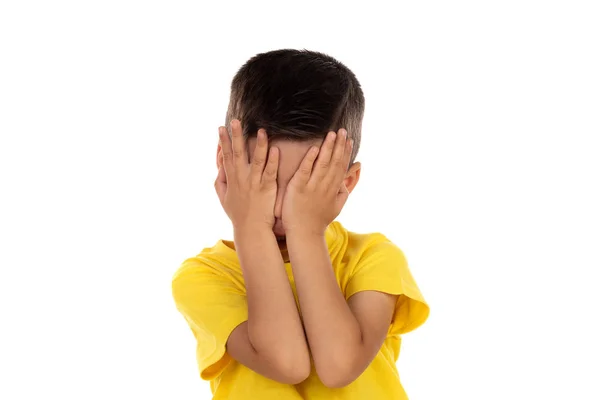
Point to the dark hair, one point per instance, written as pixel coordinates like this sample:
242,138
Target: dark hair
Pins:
296,95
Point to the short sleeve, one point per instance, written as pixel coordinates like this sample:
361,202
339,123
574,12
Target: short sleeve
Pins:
213,305
383,267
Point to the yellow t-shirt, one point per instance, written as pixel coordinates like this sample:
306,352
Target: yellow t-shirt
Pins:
209,291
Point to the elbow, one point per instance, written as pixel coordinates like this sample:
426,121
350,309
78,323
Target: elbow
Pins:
336,380
293,367
335,375
288,360
294,376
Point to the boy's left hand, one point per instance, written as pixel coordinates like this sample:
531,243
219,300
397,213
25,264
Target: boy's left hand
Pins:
315,196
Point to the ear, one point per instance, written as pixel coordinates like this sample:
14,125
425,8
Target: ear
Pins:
352,176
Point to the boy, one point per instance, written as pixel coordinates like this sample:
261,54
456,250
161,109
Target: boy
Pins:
296,307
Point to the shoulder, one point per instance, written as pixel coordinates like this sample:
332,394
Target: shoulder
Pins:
375,263
372,259
212,263
359,245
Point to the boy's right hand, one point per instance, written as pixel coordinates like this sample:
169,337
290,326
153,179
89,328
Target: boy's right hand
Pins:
247,191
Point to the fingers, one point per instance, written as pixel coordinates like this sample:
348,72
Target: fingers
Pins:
227,150
269,175
339,160
221,184
341,168
338,151
235,156
324,160
304,171
237,139
260,155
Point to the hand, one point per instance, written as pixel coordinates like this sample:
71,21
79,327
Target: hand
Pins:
315,196
247,191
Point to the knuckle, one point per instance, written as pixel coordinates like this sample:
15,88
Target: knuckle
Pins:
237,153
258,161
268,185
270,172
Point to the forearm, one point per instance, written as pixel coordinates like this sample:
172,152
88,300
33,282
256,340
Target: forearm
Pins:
274,326
333,332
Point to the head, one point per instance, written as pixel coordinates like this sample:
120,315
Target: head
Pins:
297,96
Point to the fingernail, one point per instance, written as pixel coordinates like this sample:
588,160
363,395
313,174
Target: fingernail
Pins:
332,135
344,133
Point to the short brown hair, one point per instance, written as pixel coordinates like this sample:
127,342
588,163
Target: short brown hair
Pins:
296,95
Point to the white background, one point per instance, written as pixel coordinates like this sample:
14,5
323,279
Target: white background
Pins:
480,160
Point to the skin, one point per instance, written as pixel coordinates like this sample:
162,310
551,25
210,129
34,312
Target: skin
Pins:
271,342
307,186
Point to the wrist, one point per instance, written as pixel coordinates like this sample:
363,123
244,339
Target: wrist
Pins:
252,230
252,225
305,233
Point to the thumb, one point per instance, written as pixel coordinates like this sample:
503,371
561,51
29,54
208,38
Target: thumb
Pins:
221,184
